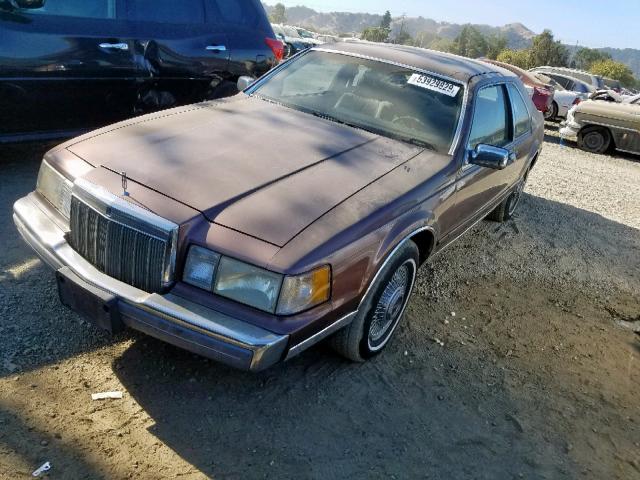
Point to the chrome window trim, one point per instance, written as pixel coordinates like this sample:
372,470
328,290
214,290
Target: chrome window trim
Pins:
114,208
464,86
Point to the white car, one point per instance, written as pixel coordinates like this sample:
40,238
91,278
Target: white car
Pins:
563,99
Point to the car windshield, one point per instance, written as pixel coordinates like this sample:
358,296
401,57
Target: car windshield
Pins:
389,100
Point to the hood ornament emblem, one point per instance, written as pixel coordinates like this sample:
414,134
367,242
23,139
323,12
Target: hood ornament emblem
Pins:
123,175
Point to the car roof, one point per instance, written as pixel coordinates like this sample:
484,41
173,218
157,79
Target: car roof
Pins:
447,64
527,77
565,70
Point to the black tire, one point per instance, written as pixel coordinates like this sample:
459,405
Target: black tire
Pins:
552,113
594,139
382,309
508,206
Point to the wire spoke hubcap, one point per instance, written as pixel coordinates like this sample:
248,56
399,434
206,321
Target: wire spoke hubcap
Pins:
390,305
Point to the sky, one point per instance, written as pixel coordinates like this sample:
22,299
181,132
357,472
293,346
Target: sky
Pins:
589,23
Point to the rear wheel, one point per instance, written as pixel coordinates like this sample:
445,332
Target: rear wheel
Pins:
507,208
382,309
594,139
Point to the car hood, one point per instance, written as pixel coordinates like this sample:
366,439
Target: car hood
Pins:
620,112
258,168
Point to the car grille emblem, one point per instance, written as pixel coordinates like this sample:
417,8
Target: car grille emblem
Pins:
124,184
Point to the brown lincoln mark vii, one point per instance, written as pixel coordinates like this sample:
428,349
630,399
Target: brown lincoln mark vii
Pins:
250,228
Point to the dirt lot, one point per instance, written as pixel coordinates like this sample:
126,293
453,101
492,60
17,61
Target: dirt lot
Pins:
537,375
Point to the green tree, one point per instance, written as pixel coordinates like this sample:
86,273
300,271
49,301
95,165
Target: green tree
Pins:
585,57
470,43
386,20
616,70
404,38
495,45
375,34
547,51
441,45
519,58
279,14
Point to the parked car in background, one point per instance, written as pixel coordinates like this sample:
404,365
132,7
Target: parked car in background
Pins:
612,84
69,66
294,42
563,99
569,83
596,81
328,38
306,34
605,122
248,252
540,92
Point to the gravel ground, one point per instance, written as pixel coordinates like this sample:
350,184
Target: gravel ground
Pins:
535,376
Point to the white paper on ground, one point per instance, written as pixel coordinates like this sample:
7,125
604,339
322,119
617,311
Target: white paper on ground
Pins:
105,395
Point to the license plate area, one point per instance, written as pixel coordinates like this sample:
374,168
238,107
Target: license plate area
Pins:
95,305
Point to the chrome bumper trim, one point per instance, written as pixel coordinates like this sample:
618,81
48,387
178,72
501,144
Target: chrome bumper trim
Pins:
321,335
37,228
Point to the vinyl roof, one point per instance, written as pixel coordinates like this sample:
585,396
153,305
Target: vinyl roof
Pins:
454,66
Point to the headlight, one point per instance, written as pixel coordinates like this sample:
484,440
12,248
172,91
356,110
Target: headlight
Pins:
201,267
247,284
254,286
53,186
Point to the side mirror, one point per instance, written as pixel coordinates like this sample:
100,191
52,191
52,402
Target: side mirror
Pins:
245,82
490,157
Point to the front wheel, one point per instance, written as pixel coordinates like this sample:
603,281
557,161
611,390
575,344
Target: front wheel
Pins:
382,309
594,139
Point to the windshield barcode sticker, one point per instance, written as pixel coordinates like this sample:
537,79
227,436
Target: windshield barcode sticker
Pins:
431,83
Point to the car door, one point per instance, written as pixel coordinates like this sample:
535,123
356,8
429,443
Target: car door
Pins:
182,47
64,67
478,186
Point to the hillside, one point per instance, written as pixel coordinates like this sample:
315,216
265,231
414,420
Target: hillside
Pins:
518,36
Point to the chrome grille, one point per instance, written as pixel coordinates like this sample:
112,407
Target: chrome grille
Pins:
106,231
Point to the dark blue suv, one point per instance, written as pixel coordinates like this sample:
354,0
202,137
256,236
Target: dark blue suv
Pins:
73,65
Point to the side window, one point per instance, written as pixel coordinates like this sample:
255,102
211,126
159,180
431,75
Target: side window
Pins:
77,8
166,11
238,12
521,117
490,123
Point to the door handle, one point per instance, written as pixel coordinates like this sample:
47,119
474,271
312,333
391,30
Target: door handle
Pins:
115,46
217,48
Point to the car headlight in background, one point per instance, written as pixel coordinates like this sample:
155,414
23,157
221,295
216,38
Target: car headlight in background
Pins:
55,187
255,286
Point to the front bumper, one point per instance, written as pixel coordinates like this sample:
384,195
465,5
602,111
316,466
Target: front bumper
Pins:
569,131
168,317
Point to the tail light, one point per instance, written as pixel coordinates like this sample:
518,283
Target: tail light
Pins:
276,46
542,91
